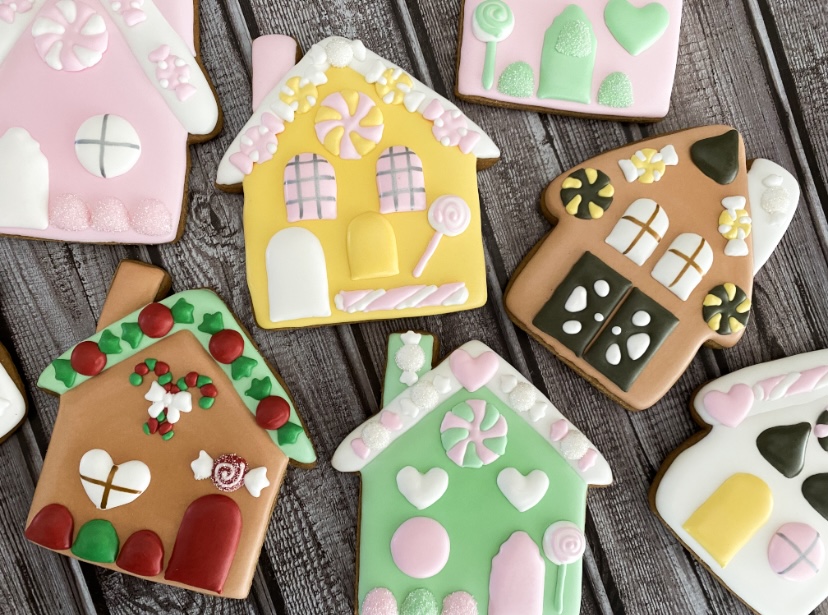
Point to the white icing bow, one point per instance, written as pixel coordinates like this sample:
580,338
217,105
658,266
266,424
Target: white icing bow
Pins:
173,403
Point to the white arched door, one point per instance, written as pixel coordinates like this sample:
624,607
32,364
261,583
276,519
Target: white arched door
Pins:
297,276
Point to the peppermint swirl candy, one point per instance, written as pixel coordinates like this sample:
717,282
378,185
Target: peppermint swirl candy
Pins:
564,543
449,215
493,21
228,473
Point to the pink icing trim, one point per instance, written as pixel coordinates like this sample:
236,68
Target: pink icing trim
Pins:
352,124
258,143
518,576
392,298
441,294
70,49
588,460
130,10
406,297
473,372
420,547
10,8
730,408
821,431
151,217
110,216
172,72
808,380
391,420
69,212
379,601
559,430
350,297
796,552
359,448
450,127
768,384
477,437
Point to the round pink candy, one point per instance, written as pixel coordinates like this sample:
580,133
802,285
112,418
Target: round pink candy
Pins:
110,216
796,552
379,601
459,603
151,217
420,547
69,212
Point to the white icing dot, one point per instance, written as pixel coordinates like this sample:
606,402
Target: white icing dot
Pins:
599,317
424,396
410,358
571,327
641,318
602,288
375,436
574,445
637,345
613,354
577,300
339,52
772,181
523,397
616,330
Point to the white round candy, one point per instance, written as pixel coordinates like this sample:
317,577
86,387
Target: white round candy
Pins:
574,445
375,436
523,397
339,52
107,145
424,395
410,358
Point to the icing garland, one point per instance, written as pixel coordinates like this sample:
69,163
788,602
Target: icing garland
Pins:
203,314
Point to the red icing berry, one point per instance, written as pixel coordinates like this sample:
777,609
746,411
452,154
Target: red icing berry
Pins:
87,359
209,390
228,473
191,379
174,389
226,346
165,428
155,320
161,368
168,387
272,412
141,369
153,425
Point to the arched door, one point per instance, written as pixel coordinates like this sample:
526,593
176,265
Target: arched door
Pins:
297,276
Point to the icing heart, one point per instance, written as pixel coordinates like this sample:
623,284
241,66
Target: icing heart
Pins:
729,408
523,492
473,372
422,490
636,29
108,485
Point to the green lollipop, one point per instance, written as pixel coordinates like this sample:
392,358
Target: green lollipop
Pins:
493,21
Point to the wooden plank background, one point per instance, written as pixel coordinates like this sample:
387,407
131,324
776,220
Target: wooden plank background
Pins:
760,65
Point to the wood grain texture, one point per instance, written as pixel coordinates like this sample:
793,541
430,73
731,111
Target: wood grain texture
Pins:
757,64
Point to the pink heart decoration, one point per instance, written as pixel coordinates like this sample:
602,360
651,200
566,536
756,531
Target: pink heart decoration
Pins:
473,372
729,408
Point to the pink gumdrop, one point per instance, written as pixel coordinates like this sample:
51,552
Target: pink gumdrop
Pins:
379,601
110,216
69,212
420,547
151,217
459,603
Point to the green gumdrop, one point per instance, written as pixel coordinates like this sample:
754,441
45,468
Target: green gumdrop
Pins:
109,343
165,379
242,367
202,380
259,388
151,363
288,433
420,602
181,384
517,80
206,402
64,372
616,91
182,312
212,323
136,379
97,541
132,333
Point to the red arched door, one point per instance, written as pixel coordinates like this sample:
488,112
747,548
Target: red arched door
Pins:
206,543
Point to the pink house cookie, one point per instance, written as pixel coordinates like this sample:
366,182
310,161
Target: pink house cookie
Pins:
601,58
108,164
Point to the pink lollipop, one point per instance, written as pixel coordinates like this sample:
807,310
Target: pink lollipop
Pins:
448,215
563,543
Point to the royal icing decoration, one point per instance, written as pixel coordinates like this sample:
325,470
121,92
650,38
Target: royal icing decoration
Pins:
367,128
12,402
410,358
181,366
437,468
774,194
73,51
611,58
757,524
628,278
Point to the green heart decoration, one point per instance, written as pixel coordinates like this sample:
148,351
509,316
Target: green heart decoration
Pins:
636,29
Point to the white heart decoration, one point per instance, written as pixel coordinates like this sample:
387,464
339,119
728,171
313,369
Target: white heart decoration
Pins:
523,492
422,490
108,485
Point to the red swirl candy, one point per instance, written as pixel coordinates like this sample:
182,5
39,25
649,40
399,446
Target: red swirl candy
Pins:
228,473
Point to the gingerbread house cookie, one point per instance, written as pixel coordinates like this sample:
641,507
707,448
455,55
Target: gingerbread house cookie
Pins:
653,255
360,190
473,489
100,99
12,396
171,441
599,58
749,497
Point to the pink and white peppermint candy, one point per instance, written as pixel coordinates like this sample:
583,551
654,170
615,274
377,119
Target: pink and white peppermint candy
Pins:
473,434
349,124
70,36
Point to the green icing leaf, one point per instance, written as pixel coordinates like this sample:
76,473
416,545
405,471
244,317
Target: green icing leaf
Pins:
260,388
131,333
182,384
182,312
168,435
202,380
136,379
289,433
165,379
64,372
242,367
109,343
206,402
212,323
151,363
97,541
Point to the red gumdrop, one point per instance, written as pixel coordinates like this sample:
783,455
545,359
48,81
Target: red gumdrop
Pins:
87,359
153,425
141,369
191,379
272,412
174,389
155,320
161,368
142,554
52,527
165,428
209,390
168,387
226,346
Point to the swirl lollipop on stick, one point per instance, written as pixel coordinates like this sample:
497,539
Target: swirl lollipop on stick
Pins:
492,22
448,215
563,543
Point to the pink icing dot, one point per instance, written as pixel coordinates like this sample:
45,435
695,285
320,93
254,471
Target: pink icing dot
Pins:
796,552
69,212
258,143
172,72
420,547
70,35
588,460
459,603
559,429
391,420
10,8
110,216
360,449
151,217
379,601
130,10
451,127
821,431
